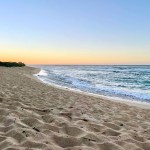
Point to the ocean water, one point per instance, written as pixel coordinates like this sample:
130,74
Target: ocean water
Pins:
125,82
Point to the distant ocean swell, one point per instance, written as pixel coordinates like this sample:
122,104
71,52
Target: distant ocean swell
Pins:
125,82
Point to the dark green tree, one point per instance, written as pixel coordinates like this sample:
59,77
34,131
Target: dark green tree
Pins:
12,64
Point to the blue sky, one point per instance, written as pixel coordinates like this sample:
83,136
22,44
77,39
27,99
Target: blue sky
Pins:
75,28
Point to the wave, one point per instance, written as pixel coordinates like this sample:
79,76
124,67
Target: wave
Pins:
42,73
108,81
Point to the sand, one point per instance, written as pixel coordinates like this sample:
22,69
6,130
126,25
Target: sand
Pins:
36,116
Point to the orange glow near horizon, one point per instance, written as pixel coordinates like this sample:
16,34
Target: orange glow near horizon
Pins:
55,57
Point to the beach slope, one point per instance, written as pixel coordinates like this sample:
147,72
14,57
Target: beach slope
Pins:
35,116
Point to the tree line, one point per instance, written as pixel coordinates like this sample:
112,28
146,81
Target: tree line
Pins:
12,64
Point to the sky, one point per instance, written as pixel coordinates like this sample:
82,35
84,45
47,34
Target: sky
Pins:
75,31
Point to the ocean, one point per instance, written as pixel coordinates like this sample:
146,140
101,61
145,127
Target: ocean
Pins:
124,82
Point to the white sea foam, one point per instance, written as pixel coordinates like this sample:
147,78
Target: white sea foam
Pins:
42,73
127,82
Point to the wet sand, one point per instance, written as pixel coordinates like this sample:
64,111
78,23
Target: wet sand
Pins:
35,116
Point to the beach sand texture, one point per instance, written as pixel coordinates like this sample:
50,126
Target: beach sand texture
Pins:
36,116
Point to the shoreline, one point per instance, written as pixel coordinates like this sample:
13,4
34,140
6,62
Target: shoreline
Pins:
139,104
34,115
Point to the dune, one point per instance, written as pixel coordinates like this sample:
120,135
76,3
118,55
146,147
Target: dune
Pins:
35,116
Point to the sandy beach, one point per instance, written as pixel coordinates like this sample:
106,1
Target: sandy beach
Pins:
35,116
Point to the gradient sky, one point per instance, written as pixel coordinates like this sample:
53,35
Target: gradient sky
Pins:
75,31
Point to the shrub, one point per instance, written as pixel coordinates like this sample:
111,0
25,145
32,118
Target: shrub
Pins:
12,64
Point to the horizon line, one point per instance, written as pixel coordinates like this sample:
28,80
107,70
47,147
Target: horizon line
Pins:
93,64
